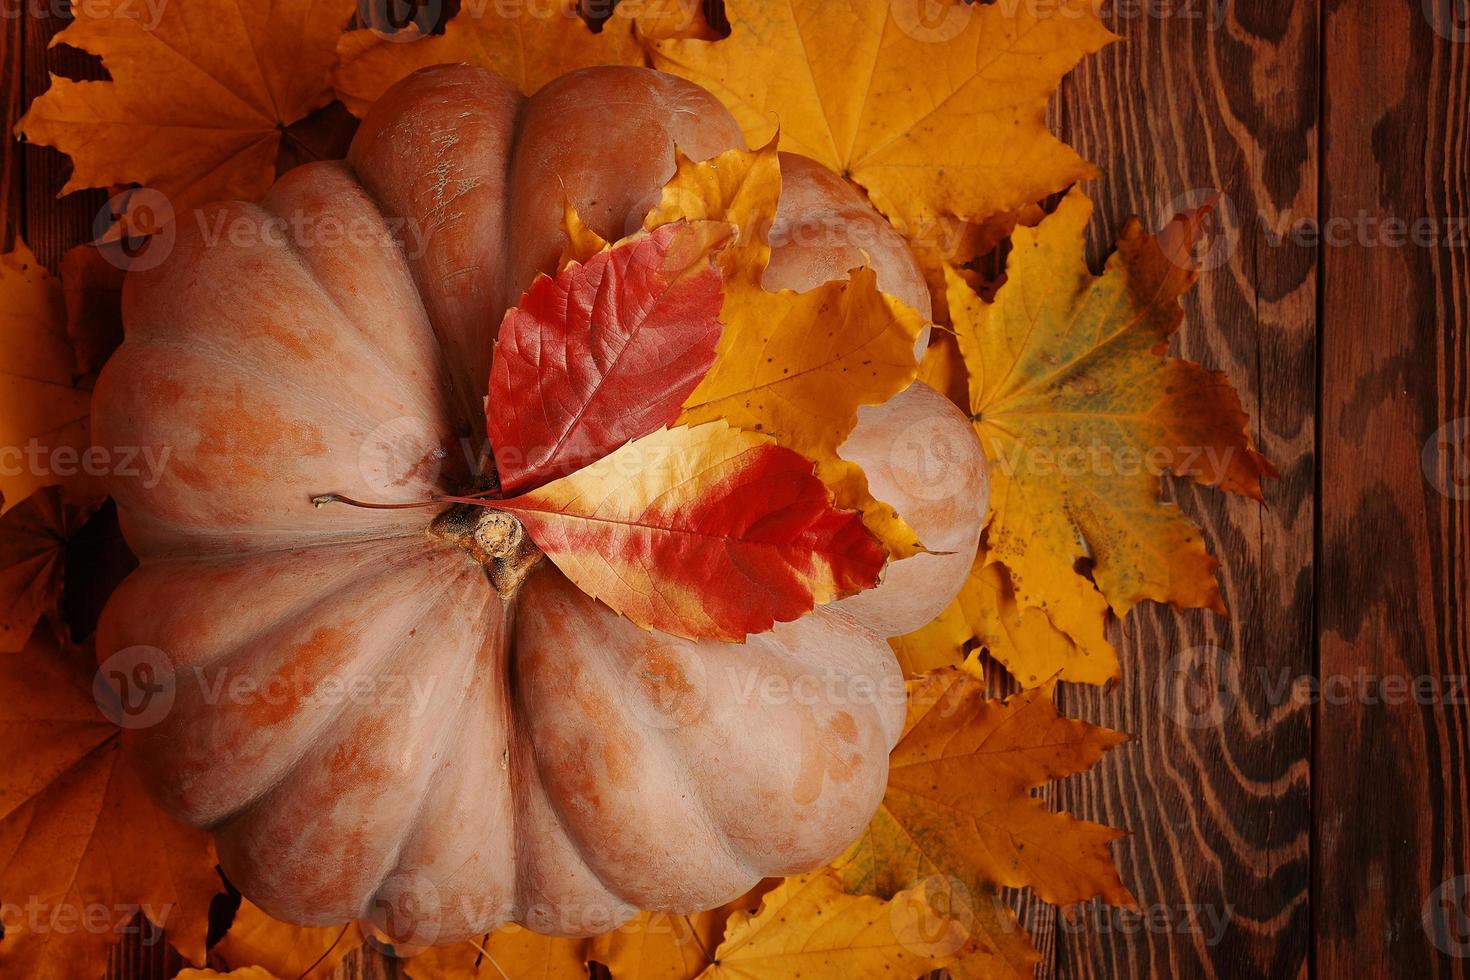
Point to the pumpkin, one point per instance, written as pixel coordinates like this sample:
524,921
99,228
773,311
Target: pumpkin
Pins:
366,725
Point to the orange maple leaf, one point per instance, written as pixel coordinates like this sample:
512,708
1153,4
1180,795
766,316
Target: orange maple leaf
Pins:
45,402
959,812
282,949
663,946
33,539
81,842
198,99
528,44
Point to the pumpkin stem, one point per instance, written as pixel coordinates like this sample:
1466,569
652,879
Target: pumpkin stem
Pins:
494,538
322,499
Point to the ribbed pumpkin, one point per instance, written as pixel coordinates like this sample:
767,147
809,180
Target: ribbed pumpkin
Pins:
365,724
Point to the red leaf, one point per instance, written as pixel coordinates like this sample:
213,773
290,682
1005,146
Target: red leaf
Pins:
704,532
604,353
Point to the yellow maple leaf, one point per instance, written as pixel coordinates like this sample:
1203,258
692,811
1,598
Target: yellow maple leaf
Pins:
1081,413
1026,640
937,110
198,98
775,372
662,20
511,953
664,946
943,369
282,949
939,643
44,402
1022,638
80,840
808,926
527,43
959,805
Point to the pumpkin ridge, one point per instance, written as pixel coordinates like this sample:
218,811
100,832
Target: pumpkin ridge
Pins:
535,787
293,247
451,728
321,729
336,733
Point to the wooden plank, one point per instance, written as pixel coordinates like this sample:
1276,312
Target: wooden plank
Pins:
12,175
1391,755
1205,96
53,225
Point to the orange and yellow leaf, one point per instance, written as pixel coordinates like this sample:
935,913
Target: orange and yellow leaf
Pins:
704,532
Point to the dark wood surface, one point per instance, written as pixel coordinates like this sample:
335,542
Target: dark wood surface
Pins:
1297,786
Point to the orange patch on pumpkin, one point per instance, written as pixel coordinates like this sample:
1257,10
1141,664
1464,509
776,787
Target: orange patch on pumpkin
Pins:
252,435
820,760
306,665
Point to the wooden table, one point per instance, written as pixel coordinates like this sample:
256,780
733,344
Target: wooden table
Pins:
1302,770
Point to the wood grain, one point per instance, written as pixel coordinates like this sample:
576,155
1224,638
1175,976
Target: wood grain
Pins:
1198,99
52,224
1323,828
1389,770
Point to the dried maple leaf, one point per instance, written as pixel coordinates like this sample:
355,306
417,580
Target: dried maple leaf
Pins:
282,949
1025,639
44,404
774,371
199,95
511,953
1022,638
939,643
943,369
807,926
704,532
959,817
959,798
244,973
934,116
662,20
528,43
604,353
91,282
663,946
33,538
1080,413
80,840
